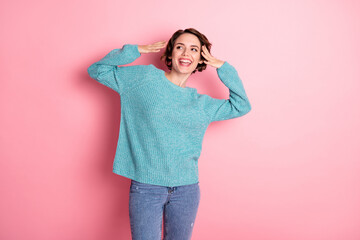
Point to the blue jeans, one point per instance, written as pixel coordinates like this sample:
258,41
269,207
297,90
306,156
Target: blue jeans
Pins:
150,204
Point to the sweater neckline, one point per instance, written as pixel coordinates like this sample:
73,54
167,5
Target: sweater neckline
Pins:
173,85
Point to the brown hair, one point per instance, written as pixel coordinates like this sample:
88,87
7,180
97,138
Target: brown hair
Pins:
170,46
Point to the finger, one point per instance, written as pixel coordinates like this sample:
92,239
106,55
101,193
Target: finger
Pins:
205,55
160,47
160,43
157,44
207,50
210,58
156,47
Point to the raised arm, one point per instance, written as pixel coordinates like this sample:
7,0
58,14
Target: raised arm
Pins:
237,104
107,72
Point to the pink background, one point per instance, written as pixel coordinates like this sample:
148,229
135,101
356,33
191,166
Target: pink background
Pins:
289,170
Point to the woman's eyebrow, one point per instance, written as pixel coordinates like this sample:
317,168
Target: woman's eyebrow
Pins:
184,45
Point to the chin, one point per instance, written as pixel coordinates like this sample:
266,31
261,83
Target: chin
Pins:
190,70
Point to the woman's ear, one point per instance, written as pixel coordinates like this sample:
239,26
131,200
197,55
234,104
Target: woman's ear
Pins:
201,61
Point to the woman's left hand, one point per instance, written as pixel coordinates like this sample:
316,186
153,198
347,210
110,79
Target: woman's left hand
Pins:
210,60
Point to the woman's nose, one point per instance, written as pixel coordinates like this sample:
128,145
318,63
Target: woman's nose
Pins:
185,52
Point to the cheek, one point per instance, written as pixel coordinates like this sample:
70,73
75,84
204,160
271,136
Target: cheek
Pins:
197,57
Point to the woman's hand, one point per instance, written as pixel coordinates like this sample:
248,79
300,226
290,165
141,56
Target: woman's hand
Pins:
155,47
210,60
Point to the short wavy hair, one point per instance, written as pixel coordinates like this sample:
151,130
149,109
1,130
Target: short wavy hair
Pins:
170,46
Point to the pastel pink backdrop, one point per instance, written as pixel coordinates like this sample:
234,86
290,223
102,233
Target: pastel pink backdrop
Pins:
289,170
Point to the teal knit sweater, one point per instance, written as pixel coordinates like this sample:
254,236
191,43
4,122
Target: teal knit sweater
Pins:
162,125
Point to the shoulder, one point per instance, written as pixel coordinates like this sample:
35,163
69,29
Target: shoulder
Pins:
206,100
153,70
203,98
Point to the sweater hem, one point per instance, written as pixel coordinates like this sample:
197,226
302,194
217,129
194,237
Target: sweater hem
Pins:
164,183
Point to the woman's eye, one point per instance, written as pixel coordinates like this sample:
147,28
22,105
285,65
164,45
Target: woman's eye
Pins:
193,49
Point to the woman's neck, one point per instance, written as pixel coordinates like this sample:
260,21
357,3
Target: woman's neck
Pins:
176,78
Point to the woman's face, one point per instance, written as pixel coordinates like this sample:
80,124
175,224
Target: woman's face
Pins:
186,53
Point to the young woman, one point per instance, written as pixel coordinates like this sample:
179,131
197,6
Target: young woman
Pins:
162,127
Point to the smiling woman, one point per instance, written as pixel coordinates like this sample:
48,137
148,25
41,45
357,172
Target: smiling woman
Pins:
185,59
196,41
183,55
163,123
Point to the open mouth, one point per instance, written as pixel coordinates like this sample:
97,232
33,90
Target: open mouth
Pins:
184,62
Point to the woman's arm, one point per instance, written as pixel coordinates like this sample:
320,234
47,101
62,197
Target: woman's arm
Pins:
237,104
107,72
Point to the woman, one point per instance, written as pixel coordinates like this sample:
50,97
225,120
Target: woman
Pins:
162,127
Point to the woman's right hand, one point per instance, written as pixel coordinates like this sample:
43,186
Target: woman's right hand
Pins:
155,47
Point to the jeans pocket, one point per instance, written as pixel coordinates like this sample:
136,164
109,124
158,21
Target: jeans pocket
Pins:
135,187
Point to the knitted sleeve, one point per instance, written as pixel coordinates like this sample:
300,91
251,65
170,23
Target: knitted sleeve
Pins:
107,72
238,103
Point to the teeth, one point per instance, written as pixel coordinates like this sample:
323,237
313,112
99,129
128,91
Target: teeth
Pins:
185,61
